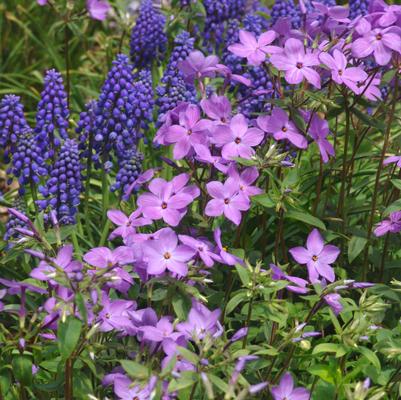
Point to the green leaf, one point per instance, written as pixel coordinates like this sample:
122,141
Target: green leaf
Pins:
81,307
187,379
306,218
218,382
235,300
134,369
22,369
355,246
188,355
68,334
338,349
264,200
371,356
181,305
370,121
323,371
243,274
396,183
396,206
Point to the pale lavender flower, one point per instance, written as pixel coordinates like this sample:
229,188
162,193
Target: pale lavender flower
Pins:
98,9
103,257
237,139
297,63
126,225
244,180
190,131
298,285
254,50
197,66
286,391
381,42
226,200
226,257
317,256
280,126
165,253
217,108
391,225
202,248
333,300
393,159
114,314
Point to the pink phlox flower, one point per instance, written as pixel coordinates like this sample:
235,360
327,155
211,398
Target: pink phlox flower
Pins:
114,314
299,283
103,257
226,257
98,9
202,248
227,199
217,108
393,160
203,154
317,256
286,391
164,253
237,139
297,63
254,50
197,66
390,225
279,125
126,225
244,180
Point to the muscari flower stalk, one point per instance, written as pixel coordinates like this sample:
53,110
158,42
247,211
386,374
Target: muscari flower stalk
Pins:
286,8
27,161
217,13
173,89
255,23
130,166
148,38
52,113
12,122
358,7
13,222
232,36
62,190
114,111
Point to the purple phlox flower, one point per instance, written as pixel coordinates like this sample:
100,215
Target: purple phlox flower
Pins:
299,283
163,202
226,257
170,348
286,391
191,130
237,139
388,13
98,9
280,126
393,159
317,256
197,66
369,88
46,271
124,389
201,322
379,41
116,372
163,330
336,13
42,2
203,154
333,301
297,63
391,225
242,332
103,257
239,366
217,108
15,287
165,253
319,130
21,216
227,200
229,77
202,248
126,225
138,182
253,389
244,180
339,71
254,50
114,315
304,335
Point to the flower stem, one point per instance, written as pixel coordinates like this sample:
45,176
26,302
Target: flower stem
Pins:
377,180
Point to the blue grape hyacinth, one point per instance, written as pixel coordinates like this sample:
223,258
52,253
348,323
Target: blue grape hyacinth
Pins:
130,165
114,117
10,234
217,13
52,113
148,37
173,89
12,122
28,164
62,190
358,7
286,8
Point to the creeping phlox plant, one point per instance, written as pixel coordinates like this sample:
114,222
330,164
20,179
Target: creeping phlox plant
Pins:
221,222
